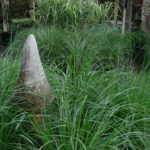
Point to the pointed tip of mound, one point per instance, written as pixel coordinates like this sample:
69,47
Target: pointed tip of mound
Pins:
30,41
30,36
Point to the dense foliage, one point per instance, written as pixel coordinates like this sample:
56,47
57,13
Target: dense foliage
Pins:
73,13
100,79
103,49
95,106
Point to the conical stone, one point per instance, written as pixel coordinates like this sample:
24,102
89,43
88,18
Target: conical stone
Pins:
35,91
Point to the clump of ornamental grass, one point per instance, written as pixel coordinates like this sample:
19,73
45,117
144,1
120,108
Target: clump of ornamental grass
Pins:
12,120
97,110
66,13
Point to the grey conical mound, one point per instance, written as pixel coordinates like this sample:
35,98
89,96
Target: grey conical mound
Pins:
35,91
32,75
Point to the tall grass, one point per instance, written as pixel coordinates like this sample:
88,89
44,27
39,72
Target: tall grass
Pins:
73,13
11,119
103,49
102,110
94,108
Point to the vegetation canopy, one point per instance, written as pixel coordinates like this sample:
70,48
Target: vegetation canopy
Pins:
98,76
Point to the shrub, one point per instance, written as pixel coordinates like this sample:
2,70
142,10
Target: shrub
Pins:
140,55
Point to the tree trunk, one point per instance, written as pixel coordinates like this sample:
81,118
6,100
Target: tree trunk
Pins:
116,13
146,16
32,9
124,16
124,20
5,8
129,13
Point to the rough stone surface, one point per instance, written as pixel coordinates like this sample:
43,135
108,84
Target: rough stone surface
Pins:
35,91
32,74
146,16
